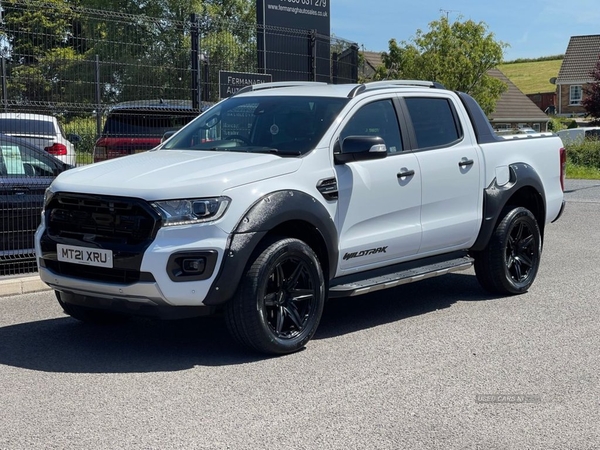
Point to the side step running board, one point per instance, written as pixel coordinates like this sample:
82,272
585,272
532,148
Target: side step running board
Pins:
403,277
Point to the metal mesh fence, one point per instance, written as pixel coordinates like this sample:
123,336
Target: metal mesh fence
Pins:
82,85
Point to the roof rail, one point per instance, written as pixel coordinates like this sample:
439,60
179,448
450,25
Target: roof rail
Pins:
394,83
277,84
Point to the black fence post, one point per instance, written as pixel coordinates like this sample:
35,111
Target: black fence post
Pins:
312,39
4,83
354,50
334,67
98,99
205,78
195,58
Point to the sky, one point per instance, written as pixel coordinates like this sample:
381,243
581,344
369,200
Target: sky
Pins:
532,28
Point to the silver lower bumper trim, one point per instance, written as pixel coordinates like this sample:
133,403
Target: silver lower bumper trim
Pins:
144,293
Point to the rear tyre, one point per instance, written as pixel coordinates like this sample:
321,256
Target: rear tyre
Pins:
280,300
510,262
86,314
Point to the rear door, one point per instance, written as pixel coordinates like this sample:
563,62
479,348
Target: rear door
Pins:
451,171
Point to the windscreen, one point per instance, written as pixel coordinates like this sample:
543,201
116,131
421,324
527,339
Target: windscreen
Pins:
285,125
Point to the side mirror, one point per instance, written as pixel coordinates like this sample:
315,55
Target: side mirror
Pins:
359,148
167,135
73,138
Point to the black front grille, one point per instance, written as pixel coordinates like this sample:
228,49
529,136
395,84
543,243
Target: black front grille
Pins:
125,226
110,220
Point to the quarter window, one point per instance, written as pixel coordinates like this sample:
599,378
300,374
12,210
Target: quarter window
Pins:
376,119
434,121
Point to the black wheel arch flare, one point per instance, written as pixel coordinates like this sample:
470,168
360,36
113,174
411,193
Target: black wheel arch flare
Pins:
496,198
269,213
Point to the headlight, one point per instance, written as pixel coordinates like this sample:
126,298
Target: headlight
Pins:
48,194
186,212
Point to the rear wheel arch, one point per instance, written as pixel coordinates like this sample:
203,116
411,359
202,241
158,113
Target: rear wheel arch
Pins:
524,189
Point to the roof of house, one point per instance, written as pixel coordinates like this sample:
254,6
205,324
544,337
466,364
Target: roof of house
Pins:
513,105
373,59
580,59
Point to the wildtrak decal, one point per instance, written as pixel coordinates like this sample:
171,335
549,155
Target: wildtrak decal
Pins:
372,251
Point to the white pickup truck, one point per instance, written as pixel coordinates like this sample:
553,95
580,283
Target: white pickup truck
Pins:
286,194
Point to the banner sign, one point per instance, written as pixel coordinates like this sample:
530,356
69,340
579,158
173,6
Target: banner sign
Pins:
231,82
285,46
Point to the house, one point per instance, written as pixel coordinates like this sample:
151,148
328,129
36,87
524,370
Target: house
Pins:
546,101
574,76
515,110
368,67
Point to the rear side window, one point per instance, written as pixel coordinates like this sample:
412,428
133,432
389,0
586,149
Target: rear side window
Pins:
27,127
592,134
434,121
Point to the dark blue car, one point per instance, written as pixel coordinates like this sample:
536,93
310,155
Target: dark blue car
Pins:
25,173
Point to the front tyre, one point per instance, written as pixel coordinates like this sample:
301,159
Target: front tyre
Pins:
510,262
279,303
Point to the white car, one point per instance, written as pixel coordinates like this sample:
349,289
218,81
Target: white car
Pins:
42,131
286,194
578,135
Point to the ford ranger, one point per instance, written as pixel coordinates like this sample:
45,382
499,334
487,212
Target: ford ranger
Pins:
289,193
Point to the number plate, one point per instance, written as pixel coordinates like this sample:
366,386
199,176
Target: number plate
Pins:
83,255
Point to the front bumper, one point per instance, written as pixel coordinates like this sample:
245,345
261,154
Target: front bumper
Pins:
155,284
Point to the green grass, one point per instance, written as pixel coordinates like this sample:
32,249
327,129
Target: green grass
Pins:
582,172
583,160
532,77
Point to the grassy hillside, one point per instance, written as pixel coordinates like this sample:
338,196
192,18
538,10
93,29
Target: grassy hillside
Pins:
532,77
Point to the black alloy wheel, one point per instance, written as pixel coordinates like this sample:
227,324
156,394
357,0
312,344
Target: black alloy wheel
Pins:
510,262
280,301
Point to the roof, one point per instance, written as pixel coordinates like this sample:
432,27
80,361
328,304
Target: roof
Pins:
373,59
319,89
28,116
153,105
580,59
513,105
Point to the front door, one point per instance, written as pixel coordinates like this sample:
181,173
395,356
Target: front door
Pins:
379,203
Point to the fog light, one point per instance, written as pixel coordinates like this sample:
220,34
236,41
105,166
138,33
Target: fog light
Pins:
193,266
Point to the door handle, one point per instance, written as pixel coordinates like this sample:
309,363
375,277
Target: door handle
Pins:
406,173
465,162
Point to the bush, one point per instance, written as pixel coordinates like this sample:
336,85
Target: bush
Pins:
556,124
586,153
85,127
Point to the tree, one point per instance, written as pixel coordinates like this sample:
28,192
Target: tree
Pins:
457,55
143,47
38,44
591,101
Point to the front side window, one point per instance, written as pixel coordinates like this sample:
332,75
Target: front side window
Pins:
376,119
575,97
18,160
283,125
434,121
